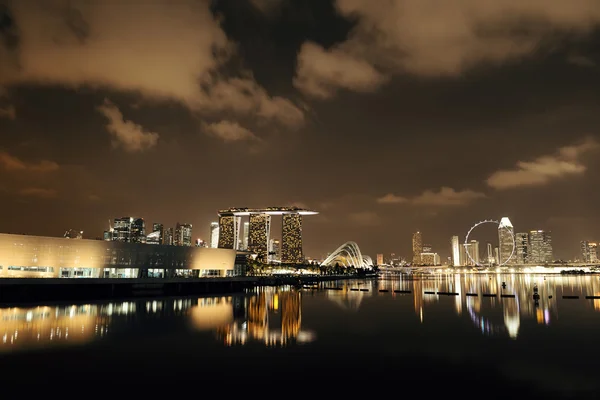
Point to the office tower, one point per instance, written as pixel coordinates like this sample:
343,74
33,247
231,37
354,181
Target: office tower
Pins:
291,236
108,235
417,247
214,235
522,243
540,247
157,227
506,242
474,251
274,251
490,255
183,235
455,251
130,230
169,237
258,238
427,248
245,234
589,253
379,259
496,255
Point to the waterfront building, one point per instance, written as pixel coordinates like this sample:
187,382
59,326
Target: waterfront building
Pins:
506,242
256,234
540,247
214,235
25,256
455,243
291,235
260,229
417,247
430,259
496,255
490,260
183,235
228,231
522,250
379,259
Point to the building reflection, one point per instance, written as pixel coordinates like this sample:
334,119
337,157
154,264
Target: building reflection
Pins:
273,316
484,311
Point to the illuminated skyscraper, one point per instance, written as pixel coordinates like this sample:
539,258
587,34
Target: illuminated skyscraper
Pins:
490,260
229,227
183,235
245,233
522,243
130,230
258,238
455,251
506,242
589,252
540,247
379,259
291,235
157,227
417,247
214,235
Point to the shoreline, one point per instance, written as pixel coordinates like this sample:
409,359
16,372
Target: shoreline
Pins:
34,290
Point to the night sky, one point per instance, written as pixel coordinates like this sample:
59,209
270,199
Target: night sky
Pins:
385,116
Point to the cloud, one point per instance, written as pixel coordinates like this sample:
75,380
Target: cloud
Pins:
160,49
543,169
131,136
12,163
391,199
365,218
446,196
320,72
437,38
8,112
38,192
229,131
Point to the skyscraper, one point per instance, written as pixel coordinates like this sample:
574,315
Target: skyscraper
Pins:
540,247
214,235
589,252
291,235
490,260
455,243
157,227
169,237
229,227
258,238
130,230
522,250
417,247
506,242
245,234
379,259
183,235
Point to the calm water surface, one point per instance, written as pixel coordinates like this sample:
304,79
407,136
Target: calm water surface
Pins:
363,339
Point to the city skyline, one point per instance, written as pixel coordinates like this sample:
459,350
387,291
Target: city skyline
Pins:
330,105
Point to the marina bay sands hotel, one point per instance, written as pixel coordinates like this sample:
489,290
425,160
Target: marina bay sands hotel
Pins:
259,229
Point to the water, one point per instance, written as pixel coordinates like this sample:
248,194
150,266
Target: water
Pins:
357,341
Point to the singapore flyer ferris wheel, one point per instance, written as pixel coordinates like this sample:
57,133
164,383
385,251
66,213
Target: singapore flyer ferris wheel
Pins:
501,226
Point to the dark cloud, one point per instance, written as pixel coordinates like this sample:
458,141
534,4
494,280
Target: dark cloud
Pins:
385,122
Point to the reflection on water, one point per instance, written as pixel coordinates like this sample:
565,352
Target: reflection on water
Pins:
272,316
269,315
